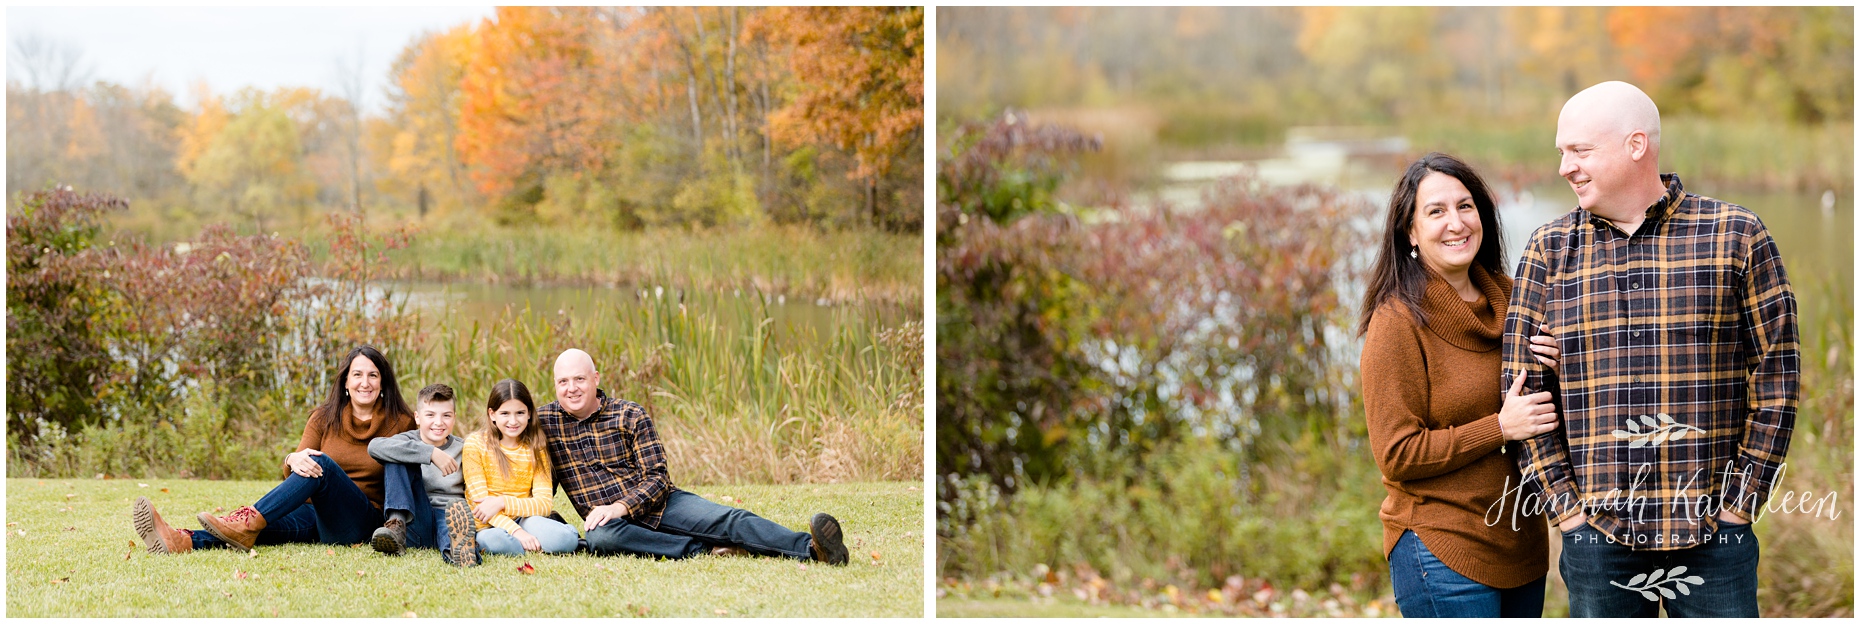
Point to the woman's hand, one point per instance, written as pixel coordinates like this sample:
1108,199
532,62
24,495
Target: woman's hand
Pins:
529,541
1543,347
444,462
303,465
1525,416
488,508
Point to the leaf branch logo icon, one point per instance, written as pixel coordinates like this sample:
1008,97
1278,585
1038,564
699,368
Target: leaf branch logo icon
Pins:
1645,585
1660,429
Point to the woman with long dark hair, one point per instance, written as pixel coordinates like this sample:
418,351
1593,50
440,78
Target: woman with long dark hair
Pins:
1433,318
330,468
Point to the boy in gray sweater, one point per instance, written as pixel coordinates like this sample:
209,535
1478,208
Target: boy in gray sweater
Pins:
416,507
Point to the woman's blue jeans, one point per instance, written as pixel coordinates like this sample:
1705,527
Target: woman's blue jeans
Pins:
1425,587
337,512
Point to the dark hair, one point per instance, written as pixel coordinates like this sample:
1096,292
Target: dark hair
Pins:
389,405
435,393
1397,276
502,392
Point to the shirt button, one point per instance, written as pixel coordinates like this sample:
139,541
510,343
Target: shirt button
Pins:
1635,285
1635,333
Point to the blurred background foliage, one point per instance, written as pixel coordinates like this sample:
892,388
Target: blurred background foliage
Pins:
1151,226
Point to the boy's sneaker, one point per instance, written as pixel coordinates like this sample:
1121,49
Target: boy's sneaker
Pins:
464,536
829,545
391,538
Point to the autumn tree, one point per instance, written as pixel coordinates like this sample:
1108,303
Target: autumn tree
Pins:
423,119
861,75
530,103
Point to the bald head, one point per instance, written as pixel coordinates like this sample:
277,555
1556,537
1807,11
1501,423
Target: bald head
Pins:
1615,107
573,361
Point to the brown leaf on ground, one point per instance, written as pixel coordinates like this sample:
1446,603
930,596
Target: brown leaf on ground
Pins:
875,555
70,496
410,614
329,551
720,611
361,573
127,554
164,490
526,568
218,509
62,580
251,554
239,575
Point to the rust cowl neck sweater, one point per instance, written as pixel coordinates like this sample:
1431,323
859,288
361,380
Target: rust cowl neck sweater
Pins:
1432,395
349,446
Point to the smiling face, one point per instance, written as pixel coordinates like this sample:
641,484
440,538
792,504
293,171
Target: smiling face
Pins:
575,383
1446,229
510,419
435,421
1607,140
363,382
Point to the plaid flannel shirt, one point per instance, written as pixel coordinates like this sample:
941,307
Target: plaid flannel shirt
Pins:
612,456
1677,384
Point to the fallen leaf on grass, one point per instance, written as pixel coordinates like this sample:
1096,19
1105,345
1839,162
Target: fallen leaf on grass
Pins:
21,532
226,594
720,611
526,568
70,528
361,573
875,555
62,580
218,509
239,575
12,524
132,543
127,554
329,551
803,565
164,490
912,488
251,554
410,614
70,496
142,485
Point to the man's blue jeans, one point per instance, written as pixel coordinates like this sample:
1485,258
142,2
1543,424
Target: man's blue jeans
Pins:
692,525
1601,574
337,513
1425,587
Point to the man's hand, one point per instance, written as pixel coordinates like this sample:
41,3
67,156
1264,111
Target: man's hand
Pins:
444,462
1726,517
1575,522
488,508
301,463
600,515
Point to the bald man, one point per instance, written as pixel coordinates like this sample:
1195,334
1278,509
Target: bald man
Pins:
608,458
1678,382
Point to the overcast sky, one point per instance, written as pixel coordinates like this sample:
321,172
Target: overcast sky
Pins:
231,48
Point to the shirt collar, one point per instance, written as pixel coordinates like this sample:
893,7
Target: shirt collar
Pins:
1660,210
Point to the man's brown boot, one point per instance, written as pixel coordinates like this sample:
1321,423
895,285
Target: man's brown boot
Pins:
829,543
155,533
239,528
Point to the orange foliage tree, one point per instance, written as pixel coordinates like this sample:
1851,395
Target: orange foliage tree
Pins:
532,97
861,72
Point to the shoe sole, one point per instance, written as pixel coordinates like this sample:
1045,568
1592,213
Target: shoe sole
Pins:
828,538
459,529
384,543
206,522
144,515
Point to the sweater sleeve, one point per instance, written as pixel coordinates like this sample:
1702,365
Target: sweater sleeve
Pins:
1396,397
402,448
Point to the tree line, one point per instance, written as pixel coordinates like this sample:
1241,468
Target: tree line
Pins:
630,117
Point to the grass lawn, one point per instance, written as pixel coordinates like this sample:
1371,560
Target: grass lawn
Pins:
1058,607
71,551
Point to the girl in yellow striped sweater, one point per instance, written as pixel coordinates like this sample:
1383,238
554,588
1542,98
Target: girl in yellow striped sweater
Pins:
506,465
